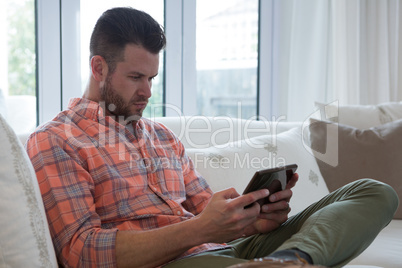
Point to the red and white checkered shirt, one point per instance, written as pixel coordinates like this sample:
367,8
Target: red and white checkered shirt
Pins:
96,177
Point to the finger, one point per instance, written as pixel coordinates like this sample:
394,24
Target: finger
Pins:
281,195
275,207
252,210
250,198
229,193
292,182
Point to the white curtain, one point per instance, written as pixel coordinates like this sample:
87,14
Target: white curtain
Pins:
335,50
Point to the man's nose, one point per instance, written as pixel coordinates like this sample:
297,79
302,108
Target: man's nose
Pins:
146,89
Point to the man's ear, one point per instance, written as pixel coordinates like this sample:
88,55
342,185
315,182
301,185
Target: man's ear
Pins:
99,68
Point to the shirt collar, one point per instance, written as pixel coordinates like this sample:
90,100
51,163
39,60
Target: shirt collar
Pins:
87,108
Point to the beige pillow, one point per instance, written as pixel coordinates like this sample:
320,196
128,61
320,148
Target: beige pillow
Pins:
369,153
24,234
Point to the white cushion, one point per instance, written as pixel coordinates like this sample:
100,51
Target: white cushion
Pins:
385,251
24,235
361,116
3,107
21,113
204,132
233,164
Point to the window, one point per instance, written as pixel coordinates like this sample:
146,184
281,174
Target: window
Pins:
18,64
239,58
227,57
212,64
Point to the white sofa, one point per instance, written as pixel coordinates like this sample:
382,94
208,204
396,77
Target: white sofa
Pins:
228,151
225,151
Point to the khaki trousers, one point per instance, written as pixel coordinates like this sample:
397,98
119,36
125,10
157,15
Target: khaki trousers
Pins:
332,231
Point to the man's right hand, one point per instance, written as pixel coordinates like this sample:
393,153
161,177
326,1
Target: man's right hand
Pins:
225,218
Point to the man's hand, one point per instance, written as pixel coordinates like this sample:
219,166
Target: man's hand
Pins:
274,214
225,217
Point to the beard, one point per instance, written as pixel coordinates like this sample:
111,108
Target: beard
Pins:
117,106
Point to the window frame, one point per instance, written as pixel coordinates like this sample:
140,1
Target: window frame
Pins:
48,55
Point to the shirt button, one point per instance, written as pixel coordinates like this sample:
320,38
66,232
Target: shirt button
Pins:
179,212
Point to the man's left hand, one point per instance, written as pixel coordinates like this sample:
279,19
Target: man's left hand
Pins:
276,213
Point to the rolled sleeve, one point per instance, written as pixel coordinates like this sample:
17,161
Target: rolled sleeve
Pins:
198,192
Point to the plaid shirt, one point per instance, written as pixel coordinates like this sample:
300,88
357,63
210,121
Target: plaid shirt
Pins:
96,177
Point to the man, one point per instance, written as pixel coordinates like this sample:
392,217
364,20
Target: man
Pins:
119,190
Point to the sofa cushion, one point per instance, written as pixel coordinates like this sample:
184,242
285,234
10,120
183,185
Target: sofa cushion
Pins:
385,251
204,132
19,119
369,153
361,116
233,164
3,107
24,235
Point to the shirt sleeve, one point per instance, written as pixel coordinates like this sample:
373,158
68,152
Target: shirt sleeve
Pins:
67,190
198,192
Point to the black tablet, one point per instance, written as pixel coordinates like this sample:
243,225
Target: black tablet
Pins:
273,179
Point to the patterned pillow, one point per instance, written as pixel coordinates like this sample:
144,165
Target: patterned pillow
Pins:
24,235
233,164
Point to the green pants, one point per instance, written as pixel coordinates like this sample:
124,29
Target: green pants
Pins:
332,231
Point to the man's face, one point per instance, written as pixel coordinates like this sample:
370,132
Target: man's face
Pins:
126,91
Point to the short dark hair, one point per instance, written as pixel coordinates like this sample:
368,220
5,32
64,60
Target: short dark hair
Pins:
120,26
